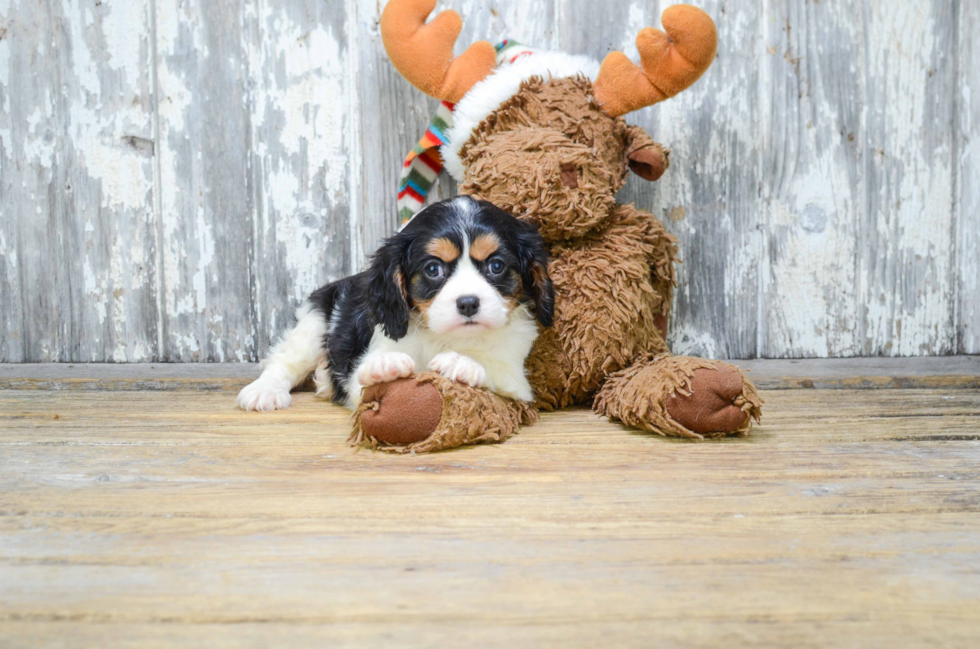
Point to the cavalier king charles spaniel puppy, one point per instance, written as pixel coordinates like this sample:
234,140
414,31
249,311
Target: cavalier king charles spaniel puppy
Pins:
461,291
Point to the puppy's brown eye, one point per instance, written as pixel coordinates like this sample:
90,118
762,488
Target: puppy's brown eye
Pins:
434,270
496,267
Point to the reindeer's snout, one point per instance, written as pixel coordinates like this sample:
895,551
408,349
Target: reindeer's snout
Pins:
569,175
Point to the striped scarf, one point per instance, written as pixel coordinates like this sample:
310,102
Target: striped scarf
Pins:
423,164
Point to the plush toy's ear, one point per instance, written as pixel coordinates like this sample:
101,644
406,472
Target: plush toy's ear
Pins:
534,273
388,292
646,158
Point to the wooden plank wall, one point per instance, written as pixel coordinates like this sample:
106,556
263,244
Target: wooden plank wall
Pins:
175,175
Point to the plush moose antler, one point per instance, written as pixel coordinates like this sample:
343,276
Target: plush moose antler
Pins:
669,62
423,53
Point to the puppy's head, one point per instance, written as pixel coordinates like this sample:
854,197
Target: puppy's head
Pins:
464,265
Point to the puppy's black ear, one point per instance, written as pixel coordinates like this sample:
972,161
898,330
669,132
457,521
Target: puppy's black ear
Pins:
387,289
534,272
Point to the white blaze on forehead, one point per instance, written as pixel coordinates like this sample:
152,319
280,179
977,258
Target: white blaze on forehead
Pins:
465,208
467,280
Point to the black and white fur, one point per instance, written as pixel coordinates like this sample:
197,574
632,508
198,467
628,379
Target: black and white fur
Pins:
472,320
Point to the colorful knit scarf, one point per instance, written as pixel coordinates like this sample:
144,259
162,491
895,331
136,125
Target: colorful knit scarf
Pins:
423,164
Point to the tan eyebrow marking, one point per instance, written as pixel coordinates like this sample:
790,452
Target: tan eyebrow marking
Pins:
484,246
443,248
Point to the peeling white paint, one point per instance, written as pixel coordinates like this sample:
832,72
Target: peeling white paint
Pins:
637,20
913,202
175,101
8,254
95,291
125,44
71,193
185,232
205,255
40,144
97,136
303,96
5,92
968,200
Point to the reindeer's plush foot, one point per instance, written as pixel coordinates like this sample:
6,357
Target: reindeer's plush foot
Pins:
680,396
430,413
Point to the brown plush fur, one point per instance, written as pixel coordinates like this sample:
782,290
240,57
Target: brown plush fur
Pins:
543,130
606,300
612,264
469,416
640,396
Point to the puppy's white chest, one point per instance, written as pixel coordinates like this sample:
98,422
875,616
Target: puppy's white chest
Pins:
494,358
505,347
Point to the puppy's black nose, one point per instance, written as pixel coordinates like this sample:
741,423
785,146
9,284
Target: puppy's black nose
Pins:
468,305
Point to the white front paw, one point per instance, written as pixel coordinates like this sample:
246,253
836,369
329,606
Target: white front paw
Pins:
264,395
385,367
459,368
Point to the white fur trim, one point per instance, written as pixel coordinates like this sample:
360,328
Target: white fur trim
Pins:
487,95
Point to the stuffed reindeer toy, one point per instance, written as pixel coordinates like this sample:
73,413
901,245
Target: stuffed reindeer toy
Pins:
542,136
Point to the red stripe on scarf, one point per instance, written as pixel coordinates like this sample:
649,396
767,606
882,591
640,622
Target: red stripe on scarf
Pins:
432,159
411,192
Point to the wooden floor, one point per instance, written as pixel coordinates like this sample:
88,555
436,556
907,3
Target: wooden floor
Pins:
168,518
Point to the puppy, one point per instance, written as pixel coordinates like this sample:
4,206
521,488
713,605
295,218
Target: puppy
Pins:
460,291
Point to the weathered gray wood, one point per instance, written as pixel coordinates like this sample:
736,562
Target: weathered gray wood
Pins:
950,372
848,519
175,175
710,198
906,235
255,124
966,155
302,115
77,276
811,139
392,116
531,23
207,206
